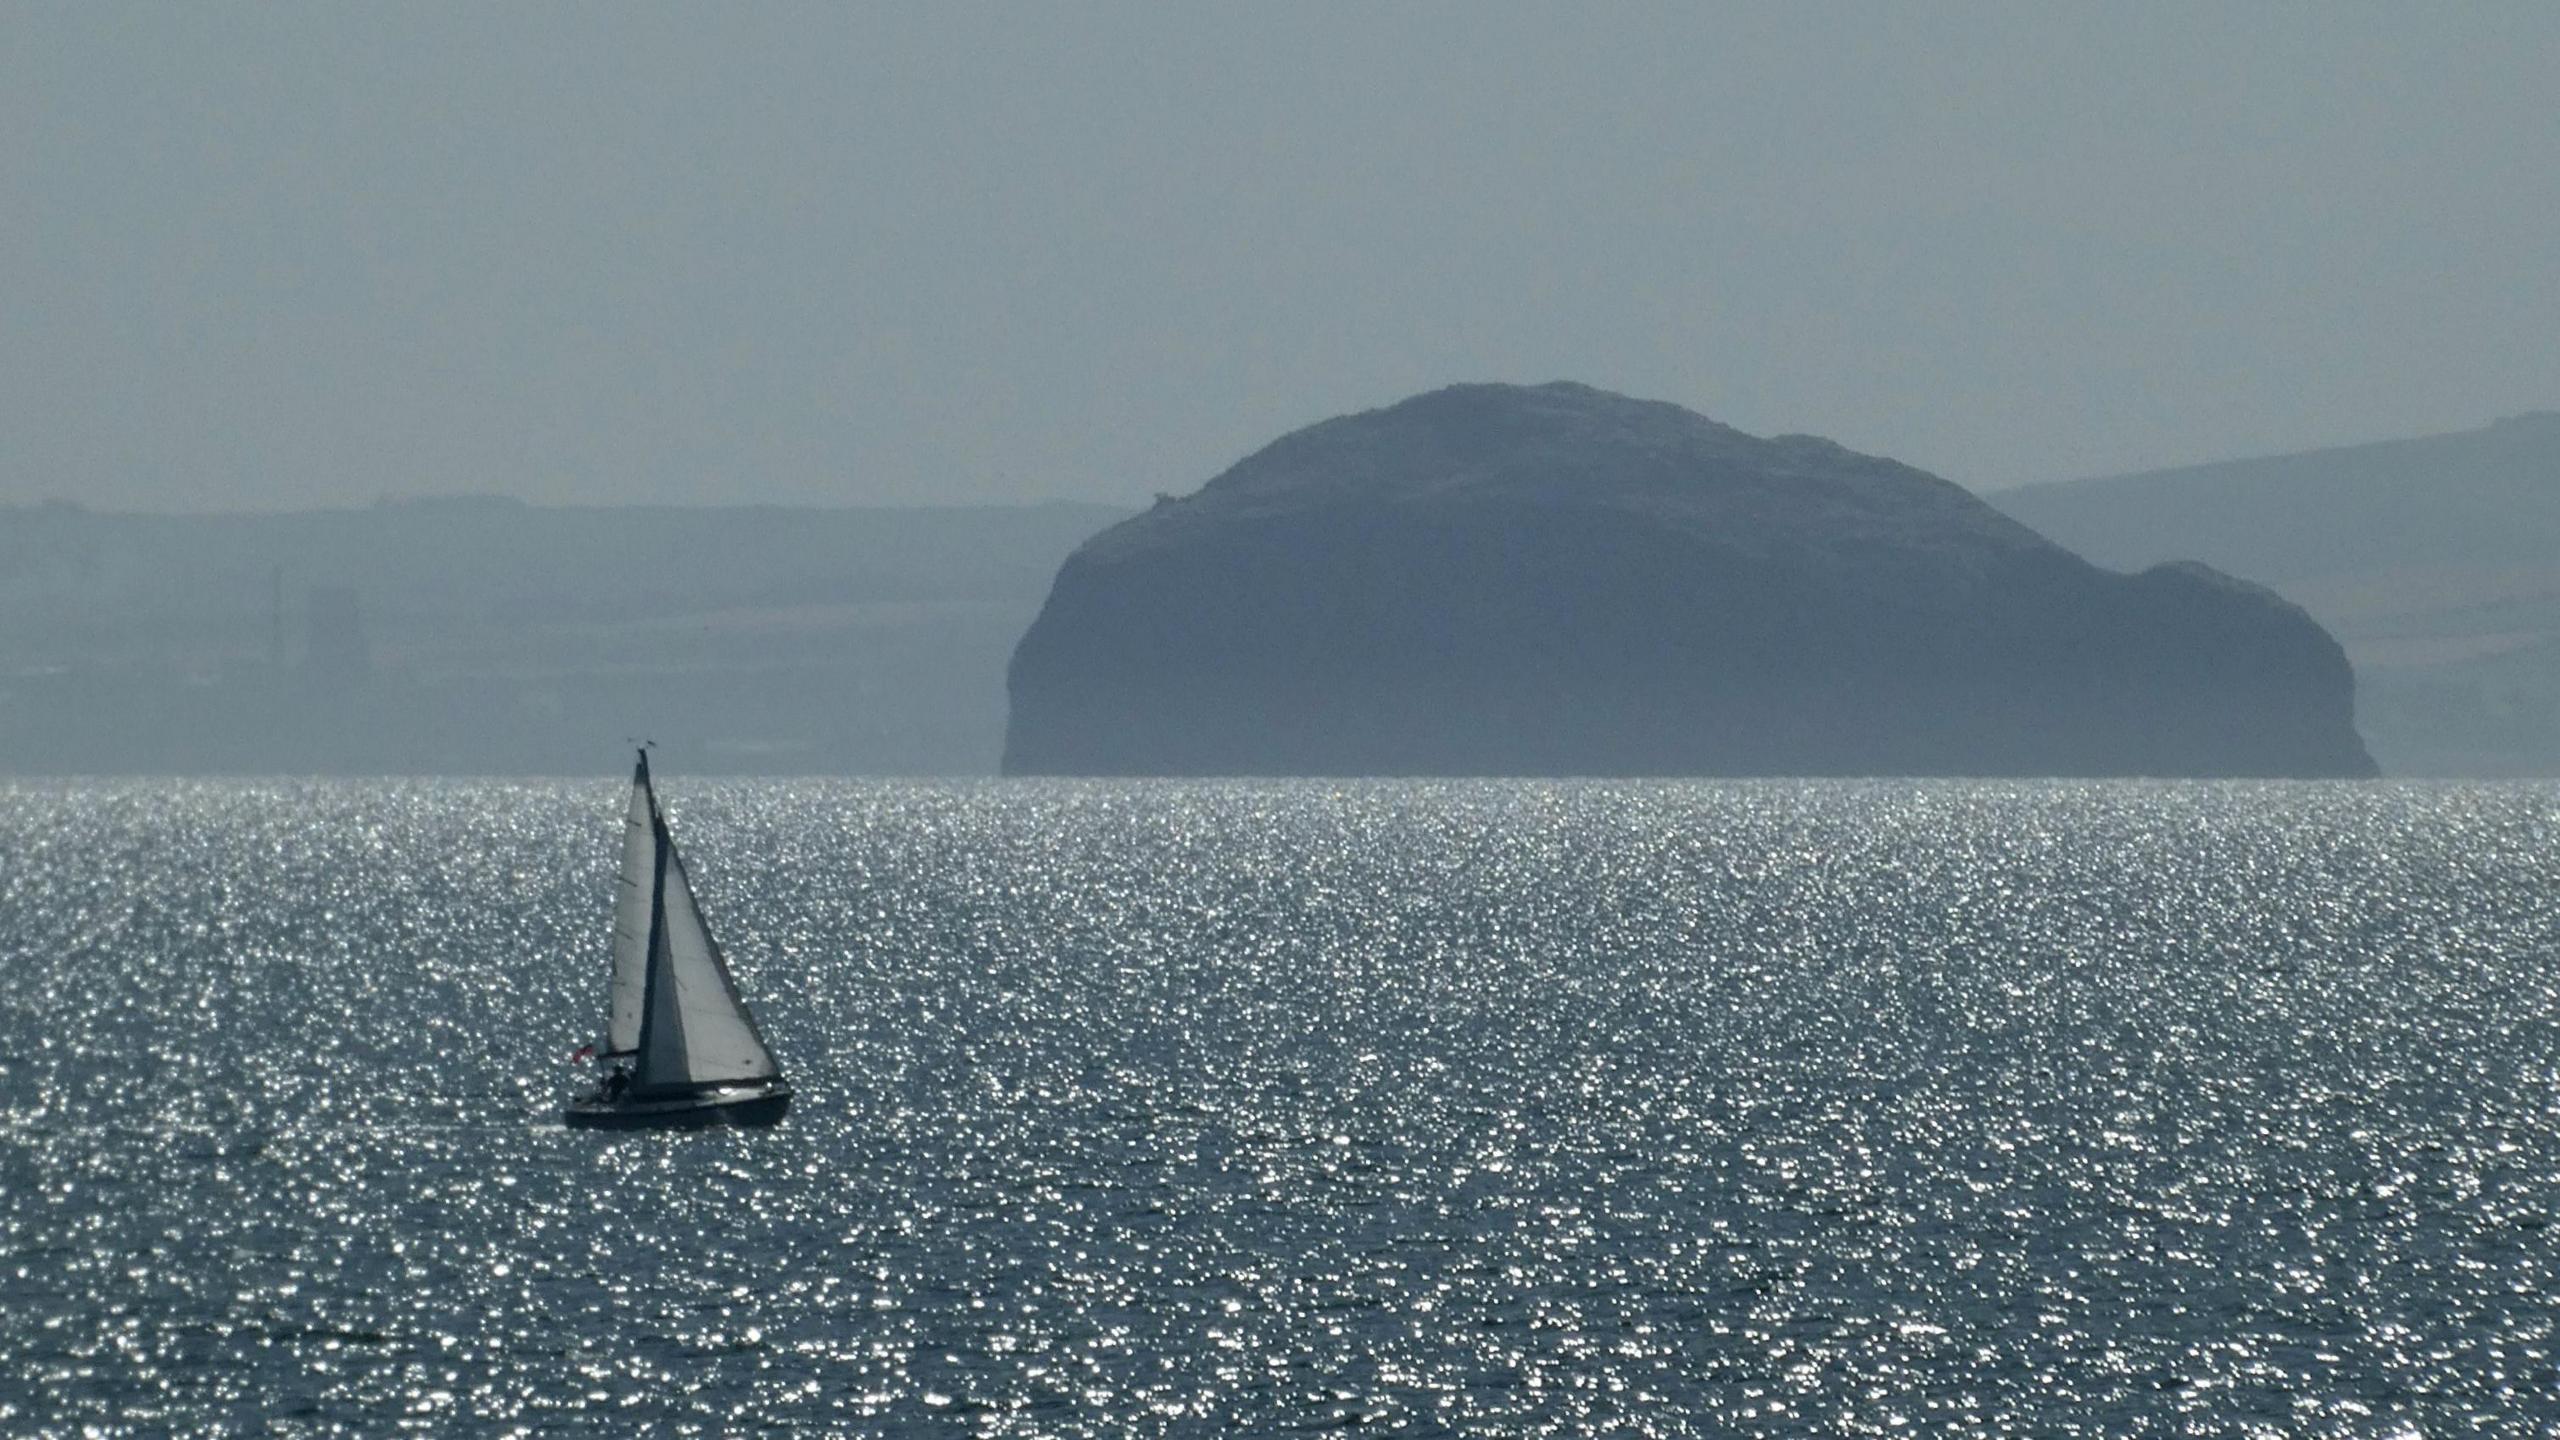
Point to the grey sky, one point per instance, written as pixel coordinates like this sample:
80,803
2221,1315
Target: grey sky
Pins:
270,255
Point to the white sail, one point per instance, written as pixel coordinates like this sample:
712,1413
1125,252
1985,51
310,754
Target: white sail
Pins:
634,888
693,1031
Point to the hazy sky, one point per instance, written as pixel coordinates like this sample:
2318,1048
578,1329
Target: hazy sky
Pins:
269,255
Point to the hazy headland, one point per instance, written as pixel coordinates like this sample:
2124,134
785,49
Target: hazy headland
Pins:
2434,560
1557,580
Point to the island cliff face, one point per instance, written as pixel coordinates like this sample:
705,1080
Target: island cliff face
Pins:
1554,580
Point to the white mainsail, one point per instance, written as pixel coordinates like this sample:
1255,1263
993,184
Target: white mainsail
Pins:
693,1031
631,905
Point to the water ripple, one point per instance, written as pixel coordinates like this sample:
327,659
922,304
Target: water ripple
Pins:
1444,1109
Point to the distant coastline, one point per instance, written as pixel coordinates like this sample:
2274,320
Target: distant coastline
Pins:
497,636
482,635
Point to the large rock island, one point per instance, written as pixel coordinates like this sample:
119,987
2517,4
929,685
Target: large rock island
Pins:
1554,580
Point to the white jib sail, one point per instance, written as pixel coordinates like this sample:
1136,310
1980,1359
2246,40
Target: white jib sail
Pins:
633,888
695,1030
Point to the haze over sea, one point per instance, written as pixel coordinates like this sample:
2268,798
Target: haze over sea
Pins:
1481,1108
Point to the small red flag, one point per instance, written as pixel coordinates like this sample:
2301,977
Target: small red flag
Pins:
583,1052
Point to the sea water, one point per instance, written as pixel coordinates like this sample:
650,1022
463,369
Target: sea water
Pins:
1423,1109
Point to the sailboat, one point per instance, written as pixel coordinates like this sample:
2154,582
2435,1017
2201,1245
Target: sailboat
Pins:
680,1049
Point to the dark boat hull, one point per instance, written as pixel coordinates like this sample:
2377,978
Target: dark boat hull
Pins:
746,1110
